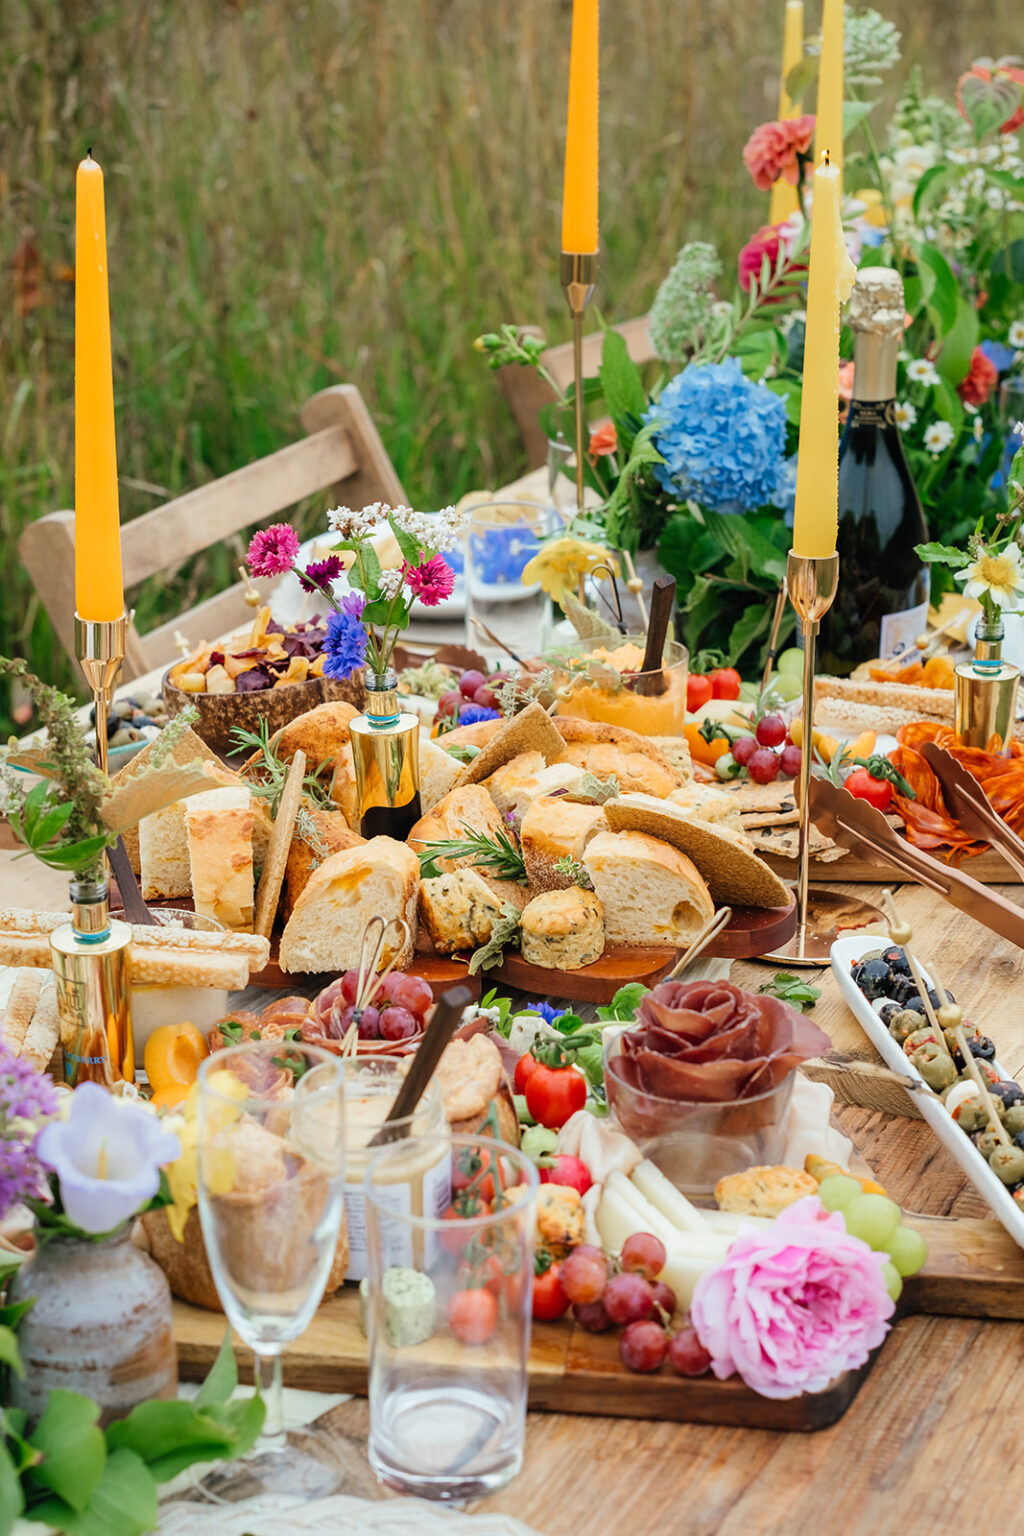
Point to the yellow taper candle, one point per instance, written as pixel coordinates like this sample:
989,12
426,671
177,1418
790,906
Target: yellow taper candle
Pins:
579,202
828,128
99,588
785,198
830,282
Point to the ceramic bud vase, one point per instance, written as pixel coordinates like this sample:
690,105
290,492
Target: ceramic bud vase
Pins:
386,754
100,1324
985,699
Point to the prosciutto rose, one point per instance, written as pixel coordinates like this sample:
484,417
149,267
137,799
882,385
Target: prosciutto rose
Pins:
710,1042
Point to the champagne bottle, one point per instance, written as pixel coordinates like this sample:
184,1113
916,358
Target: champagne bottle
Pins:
882,602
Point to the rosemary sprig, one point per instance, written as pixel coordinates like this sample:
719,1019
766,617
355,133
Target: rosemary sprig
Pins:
274,772
498,853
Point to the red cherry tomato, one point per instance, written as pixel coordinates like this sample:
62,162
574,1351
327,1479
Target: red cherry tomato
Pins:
725,683
457,1241
699,690
549,1300
468,1172
877,792
553,1094
472,1316
525,1067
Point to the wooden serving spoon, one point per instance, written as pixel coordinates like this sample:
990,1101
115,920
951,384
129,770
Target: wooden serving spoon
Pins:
446,1019
663,601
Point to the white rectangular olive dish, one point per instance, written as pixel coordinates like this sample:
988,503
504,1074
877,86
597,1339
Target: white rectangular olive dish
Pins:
844,953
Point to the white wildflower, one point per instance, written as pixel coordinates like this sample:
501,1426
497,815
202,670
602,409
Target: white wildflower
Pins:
432,530
390,583
978,429
922,371
1016,334
938,437
999,576
906,415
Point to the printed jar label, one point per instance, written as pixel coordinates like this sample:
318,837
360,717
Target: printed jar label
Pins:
898,631
400,1238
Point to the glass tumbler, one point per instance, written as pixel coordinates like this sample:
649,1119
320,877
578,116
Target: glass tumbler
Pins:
501,537
1011,419
448,1317
270,1166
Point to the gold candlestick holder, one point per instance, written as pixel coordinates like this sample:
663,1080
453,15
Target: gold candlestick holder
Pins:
579,278
90,954
821,914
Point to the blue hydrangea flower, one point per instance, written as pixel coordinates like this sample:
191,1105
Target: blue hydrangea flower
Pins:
474,713
345,642
722,438
999,355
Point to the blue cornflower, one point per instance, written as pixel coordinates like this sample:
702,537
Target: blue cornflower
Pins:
474,713
345,642
548,1013
722,438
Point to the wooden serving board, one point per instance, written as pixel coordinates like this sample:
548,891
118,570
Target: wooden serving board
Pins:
974,1270
987,867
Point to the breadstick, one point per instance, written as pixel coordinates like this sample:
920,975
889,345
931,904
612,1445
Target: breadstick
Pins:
21,1005
44,1031
32,949
24,920
178,968
200,942
274,864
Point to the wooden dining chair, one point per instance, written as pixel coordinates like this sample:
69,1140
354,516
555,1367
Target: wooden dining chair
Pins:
342,450
526,391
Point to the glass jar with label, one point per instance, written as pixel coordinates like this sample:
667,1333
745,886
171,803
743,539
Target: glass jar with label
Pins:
420,1182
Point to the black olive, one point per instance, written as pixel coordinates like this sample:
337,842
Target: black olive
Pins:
896,960
914,1003
1010,1093
875,980
888,1012
905,989
982,1047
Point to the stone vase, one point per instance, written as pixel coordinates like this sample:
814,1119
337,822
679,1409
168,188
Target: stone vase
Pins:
101,1324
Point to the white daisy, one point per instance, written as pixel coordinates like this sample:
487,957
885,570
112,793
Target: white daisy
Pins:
922,371
1016,336
938,436
906,415
999,576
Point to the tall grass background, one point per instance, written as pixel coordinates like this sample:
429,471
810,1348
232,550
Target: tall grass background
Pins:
348,190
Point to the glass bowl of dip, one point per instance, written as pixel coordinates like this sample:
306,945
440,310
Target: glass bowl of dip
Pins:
606,683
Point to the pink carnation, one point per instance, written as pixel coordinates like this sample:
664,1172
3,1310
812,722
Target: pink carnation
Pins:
982,378
773,149
431,582
272,551
793,1304
769,240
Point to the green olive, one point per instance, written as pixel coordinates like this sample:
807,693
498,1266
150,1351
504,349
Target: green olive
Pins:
934,1065
1007,1163
1014,1119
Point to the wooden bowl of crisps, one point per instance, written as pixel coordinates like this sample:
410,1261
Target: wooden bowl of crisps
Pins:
222,713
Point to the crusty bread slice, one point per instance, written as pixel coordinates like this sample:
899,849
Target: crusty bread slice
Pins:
707,802
651,893
676,752
636,771
553,829
328,832
477,735
439,773
325,930
516,785
596,732
467,808
529,731
733,874
220,823
321,733
460,908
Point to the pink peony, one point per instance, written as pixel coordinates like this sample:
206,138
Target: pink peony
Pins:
794,1304
982,378
767,242
432,582
272,551
773,150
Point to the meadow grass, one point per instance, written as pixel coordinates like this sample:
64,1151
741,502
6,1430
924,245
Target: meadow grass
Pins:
347,190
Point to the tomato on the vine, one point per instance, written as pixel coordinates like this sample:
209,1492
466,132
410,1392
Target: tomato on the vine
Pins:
863,785
472,1316
699,690
725,683
553,1094
525,1067
468,1171
456,1241
549,1299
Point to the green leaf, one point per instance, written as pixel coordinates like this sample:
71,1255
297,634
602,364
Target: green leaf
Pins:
621,381
624,1004
9,1353
750,626
124,1502
791,391
12,1499
409,546
954,360
222,1377
73,1447
757,350
854,113
941,554
742,540
942,296
948,406
932,188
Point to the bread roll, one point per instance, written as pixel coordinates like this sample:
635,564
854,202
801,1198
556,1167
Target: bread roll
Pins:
552,829
322,733
563,930
333,835
325,930
467,809
516,785
460,908
651,893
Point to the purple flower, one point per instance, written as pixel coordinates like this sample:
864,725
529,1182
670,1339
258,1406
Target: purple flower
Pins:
320,573
25,1096
107,1157
345,642
273,550
433,582
474,713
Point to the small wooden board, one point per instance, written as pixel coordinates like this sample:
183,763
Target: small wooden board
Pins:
974,1269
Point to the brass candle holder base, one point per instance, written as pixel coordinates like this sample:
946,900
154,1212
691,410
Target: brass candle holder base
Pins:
579,278
100,644
821,914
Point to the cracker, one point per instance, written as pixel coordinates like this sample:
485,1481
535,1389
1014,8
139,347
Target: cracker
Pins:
731,872
21,1005
43,1034
272,877
529,731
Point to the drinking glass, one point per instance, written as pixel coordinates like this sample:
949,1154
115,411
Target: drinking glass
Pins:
1011,419
448,1317
270,1170
501,537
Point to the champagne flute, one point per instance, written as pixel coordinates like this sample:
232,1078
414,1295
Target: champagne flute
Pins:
270,1177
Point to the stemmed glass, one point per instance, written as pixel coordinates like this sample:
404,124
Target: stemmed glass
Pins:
269,1176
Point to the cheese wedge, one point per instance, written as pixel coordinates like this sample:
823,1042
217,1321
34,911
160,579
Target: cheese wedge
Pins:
220,826
663,1195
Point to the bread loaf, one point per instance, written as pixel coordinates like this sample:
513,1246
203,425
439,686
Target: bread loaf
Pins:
326,832
469,808
325,930
321,733
460,908
651,893
734,875
439,773
220,823
563,930
554,829
635,771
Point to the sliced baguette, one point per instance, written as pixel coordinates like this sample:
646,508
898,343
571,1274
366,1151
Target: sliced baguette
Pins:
733,874
468,808
554,829
326,832
651,893
325,930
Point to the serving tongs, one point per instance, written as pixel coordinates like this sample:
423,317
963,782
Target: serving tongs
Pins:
858,827
967,801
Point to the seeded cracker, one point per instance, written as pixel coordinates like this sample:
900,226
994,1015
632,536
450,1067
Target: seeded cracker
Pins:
276,861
